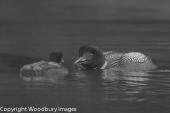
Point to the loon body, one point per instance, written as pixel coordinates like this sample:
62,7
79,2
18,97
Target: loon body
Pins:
91,57
44,70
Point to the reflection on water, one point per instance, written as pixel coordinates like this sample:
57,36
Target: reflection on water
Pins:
129,83
105,91
92,91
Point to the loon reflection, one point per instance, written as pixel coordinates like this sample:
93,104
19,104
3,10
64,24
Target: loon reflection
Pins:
132,78
128,84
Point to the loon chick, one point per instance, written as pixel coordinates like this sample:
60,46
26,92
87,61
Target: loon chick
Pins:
44,70
92,57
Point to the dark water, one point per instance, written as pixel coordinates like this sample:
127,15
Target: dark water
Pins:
90,91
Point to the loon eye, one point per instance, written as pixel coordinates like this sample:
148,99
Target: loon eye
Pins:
91,54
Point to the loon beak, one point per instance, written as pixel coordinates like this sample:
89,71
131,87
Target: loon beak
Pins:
79,63
80,60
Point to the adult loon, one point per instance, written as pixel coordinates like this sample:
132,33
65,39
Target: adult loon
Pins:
44,70
92,57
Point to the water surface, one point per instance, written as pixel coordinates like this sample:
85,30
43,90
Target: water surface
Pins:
88,91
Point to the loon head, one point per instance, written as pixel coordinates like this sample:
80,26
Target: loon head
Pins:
56,57
90,57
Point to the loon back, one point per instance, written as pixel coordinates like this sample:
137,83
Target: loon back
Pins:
113,59
132,61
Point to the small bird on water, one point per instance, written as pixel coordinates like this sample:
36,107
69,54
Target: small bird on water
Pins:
45,70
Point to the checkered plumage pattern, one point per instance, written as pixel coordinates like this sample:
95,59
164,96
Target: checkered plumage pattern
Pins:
125,60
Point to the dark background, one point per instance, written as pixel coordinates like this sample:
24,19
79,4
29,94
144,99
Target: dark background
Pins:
37,27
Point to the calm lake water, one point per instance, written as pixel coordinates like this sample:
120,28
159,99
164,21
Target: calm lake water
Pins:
88,91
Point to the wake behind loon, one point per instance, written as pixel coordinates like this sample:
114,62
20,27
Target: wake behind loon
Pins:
92,57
